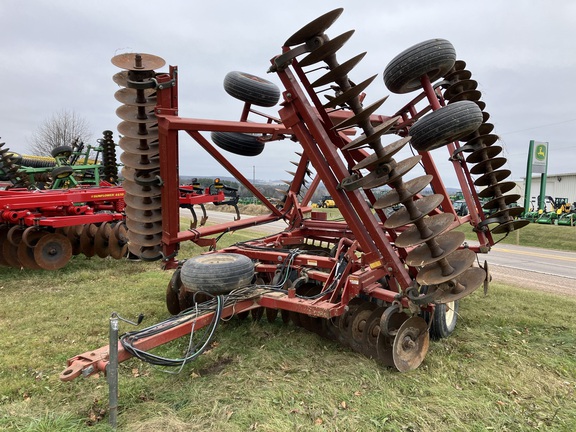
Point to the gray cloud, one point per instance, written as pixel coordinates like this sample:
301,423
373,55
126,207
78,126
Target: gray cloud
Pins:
57,55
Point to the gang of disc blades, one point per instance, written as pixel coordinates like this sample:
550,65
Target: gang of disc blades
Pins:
501,201
460,86
143,203
484,153
510,226
387,153
143,216
136,114
488,165
143,240
129,96
469,281
492,177
502,188
140,162
138,130
142,146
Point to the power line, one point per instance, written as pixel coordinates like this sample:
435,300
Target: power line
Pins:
539,127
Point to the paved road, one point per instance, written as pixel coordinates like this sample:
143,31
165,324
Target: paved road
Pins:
516,261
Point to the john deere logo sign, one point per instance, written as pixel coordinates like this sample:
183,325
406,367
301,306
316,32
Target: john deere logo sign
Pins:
541,152
540,157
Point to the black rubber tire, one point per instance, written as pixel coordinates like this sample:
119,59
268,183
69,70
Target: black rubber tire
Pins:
252,89
217,273
445,125
434,57
444,320
62,151
238,143
61,172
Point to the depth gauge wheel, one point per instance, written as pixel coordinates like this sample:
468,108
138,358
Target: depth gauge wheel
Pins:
217,273
62,172
238,143
252,89
61,151
434,57
445,125
444,320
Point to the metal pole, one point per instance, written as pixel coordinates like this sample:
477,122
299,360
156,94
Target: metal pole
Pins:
112,371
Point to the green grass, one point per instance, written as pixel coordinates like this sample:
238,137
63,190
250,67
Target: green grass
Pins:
510,366
556,237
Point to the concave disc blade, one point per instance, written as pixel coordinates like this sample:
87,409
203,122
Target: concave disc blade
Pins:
460,261
437,224
447,243
53,251
492,177
326,49
466,284
138,130
139,146
483,154
388,152
460,86
143,228
488,165
138,61
136,114
411,188
502,201
143,216
411,344
143,203
134,189
510,226
139,161
144,240
339,71
379,130
314,28
130,97
423,206
361,116
350,94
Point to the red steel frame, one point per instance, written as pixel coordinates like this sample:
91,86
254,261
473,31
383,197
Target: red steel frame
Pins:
309,122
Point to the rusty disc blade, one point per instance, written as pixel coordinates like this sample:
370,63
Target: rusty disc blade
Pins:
326,49
149,147
421,207
14,235
411,188
143,203
466,284
401,169
26,256
470,95
484,140
139,161
483,129
138,191
143,228
74,232
101,240
138,61
361,116
457,75
447,243
507,212
350,94
143,240
497,189
488,165
509,226
388,152
371,332
314,28
359,324
87,240
379,130
144,216
437,224
10,254
121,78
411,344
492,177
501,202
172,293
53,251
31,235
151,253
459,87
339,72
3,234
483,154
138,130
118,243
136,114
459,260
134,97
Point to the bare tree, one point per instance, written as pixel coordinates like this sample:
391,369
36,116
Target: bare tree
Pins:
62,128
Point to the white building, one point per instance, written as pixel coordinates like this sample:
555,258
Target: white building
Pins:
557,186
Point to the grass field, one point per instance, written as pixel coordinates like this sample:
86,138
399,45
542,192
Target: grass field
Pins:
510,365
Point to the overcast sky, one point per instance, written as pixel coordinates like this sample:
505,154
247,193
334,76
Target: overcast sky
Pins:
56,55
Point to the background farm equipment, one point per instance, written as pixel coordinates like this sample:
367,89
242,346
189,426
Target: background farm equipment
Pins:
380,285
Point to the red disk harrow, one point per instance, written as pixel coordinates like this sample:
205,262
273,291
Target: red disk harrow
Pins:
379,282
